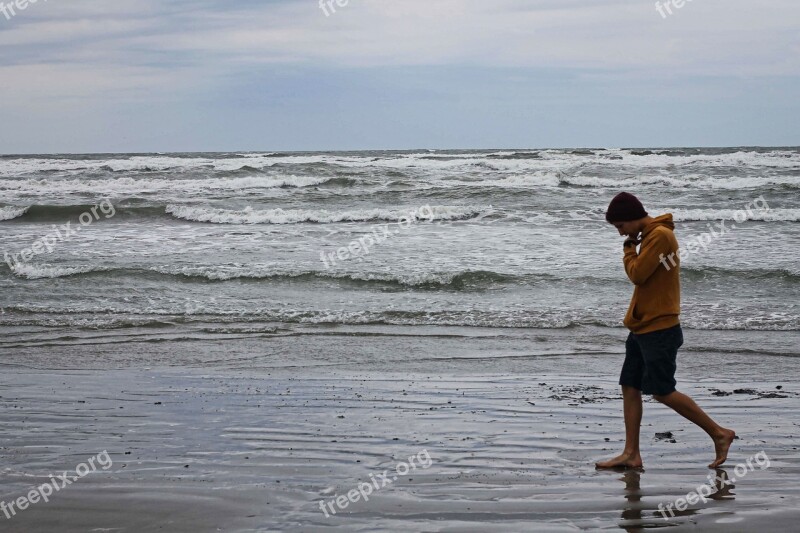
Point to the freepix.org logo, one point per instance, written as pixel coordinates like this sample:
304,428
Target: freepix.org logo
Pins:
668,5
10,10
365,489
703,492
330,5
47,244
43,492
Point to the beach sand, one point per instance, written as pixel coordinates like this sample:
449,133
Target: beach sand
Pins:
240,445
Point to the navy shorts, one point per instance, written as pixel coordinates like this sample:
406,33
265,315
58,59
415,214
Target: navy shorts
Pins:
650,361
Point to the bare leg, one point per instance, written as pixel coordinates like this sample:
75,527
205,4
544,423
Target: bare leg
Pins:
632,408
686,407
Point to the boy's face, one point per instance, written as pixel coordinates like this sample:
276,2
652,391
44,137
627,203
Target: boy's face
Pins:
627,228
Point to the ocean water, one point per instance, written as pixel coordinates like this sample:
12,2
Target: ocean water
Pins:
221,247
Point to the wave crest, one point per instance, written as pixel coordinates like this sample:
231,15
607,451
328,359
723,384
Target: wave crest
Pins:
423,280
773,215
43,271
321,216
136,186
11,212
687,182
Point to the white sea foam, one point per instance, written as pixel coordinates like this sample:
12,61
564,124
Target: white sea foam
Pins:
564,160
684,182
10,212
679,215
42,271
538,179
773,215
267,271
550,160
256,271
771,159
521,181
133,186
294,216
545,178
26,166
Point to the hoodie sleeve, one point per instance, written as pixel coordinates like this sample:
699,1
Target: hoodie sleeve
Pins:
641,266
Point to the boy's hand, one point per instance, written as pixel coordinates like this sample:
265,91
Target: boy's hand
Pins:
631,241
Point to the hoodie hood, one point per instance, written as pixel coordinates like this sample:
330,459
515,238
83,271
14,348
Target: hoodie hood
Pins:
662,221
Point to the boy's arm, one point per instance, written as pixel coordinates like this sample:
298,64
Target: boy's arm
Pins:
654,251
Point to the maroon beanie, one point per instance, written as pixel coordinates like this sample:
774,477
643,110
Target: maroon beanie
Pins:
624,208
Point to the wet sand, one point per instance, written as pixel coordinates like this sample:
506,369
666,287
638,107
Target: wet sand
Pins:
205,448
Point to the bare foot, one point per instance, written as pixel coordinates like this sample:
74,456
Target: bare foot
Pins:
626,460
721,445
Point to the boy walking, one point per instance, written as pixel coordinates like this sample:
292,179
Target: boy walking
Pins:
655,332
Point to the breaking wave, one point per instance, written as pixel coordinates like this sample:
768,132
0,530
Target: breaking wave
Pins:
322,216
10,212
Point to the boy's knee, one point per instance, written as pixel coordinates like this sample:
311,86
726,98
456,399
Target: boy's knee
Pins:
661,397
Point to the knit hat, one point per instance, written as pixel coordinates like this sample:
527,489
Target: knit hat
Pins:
624,208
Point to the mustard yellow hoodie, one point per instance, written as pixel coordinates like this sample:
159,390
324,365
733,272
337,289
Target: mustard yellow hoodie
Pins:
655,271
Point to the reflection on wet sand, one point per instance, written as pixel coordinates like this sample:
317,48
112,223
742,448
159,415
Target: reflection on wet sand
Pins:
636,517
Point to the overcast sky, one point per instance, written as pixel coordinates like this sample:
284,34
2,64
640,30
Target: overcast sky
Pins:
200,75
